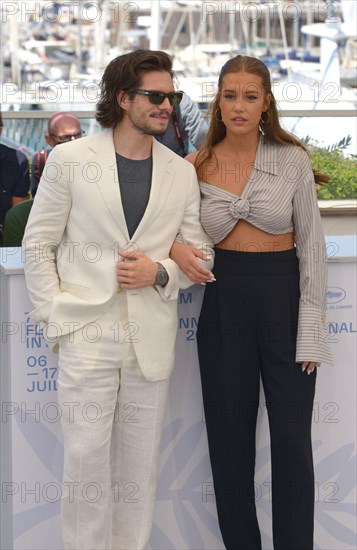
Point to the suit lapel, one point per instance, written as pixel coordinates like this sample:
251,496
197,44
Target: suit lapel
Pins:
161,183
108,184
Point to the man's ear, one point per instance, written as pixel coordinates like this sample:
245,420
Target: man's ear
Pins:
123,99
51,142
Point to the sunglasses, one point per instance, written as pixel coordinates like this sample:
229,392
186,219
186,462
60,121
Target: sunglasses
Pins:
68,137
156,98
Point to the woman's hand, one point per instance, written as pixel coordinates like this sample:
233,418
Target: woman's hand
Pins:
309,366
186,258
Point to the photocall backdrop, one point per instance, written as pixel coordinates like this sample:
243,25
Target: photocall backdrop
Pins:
185,517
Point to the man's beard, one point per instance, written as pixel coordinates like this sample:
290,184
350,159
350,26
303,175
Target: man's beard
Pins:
146,128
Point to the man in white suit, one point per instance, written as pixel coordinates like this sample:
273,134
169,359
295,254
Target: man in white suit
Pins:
98,272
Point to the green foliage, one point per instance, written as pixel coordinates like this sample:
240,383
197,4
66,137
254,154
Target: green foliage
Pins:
341,170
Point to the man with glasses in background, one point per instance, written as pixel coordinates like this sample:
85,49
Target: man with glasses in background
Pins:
99,273
62,127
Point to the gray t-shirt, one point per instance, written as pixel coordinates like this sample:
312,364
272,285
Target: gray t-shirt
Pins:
135,185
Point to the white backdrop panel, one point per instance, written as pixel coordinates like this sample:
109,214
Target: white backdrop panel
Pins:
185,515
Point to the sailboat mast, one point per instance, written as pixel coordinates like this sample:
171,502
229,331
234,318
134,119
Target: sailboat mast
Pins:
155,38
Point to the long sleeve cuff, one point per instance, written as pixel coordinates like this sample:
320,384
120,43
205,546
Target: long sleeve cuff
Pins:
177,280
312,337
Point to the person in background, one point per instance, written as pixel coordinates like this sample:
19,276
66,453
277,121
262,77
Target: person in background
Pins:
187,129
264,317
123,195
62,127
14,179
15,223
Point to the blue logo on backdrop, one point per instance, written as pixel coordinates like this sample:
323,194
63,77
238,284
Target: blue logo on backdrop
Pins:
335,294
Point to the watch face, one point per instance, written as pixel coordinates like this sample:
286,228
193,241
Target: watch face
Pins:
161,276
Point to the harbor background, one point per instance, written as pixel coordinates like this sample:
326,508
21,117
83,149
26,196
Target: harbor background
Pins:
52,56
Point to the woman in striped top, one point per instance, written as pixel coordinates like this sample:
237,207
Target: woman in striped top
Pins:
263,317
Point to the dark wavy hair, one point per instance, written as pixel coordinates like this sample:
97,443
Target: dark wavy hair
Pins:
125,73
270,124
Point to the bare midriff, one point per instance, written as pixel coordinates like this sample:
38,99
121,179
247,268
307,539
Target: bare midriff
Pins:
245,237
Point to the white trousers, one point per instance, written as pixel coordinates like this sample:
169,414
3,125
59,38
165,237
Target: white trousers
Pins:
111,422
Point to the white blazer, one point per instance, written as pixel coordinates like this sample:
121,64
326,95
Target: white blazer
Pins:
75,228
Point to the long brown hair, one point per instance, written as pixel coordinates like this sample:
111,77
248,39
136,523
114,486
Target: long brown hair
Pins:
125,73
270,124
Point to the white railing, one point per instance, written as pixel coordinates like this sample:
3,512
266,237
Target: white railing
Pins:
26,129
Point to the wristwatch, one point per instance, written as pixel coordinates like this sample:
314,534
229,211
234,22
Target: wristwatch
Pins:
162,276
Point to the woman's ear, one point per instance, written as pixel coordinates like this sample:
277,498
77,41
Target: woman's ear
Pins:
267,101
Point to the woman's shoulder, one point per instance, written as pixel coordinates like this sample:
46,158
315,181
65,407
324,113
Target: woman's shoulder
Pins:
192,157
287,146
291,151
292,158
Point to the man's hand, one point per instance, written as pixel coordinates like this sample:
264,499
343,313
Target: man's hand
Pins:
135,270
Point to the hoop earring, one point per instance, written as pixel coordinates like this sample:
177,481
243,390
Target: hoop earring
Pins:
218,110
262,121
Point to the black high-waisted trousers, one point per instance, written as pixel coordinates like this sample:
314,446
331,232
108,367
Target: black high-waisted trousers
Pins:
247,332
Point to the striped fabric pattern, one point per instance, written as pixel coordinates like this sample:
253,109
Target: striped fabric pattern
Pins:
280,197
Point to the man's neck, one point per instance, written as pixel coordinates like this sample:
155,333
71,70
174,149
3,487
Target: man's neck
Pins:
132,145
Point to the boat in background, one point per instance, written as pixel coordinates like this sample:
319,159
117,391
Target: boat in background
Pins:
58,65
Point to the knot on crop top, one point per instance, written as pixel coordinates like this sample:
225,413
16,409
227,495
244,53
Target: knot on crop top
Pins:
239,208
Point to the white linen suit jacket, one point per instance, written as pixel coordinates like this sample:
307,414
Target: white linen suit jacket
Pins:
75,229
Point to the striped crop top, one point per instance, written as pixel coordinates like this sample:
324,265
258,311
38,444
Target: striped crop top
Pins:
280,197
